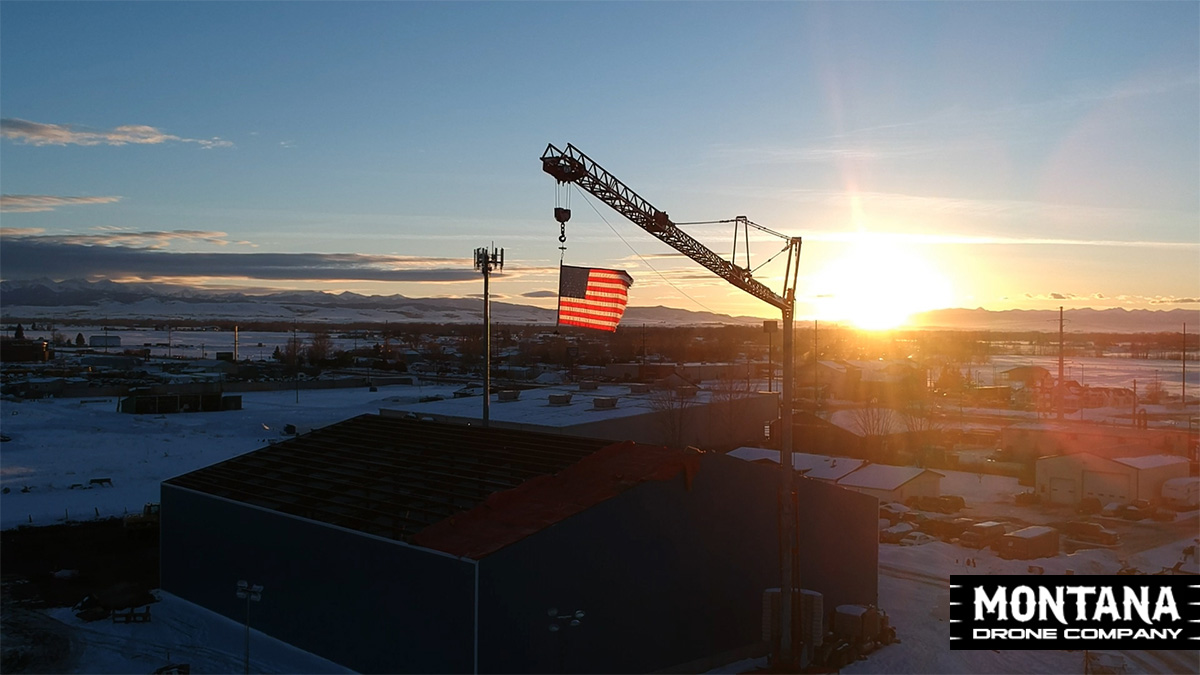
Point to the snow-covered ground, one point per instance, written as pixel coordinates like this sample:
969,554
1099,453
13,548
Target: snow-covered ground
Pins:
180,632
58,443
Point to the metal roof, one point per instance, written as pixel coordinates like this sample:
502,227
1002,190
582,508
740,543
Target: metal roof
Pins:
1151,461
884,476
387,476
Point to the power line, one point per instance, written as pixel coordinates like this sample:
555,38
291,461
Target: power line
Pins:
647,263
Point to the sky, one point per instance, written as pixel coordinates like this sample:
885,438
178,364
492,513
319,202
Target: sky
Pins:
999,155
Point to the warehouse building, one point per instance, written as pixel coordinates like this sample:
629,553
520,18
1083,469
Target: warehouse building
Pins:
397,545
1067,479
890,483
679,417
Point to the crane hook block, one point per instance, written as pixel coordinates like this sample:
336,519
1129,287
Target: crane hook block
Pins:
562,215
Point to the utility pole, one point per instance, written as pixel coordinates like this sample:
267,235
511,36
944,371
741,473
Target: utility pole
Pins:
769,327
1058,390
1183,368
486,262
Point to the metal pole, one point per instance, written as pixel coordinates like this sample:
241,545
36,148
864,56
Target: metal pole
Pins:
247,634
487,347
787,517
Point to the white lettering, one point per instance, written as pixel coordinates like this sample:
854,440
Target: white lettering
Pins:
1141,604
1106,603
993,605
1025,612
1053,603
1166,604
1081,593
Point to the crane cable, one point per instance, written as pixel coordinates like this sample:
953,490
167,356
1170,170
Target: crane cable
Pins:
756,226
639,255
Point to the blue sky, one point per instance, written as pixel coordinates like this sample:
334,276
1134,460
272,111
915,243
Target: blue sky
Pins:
936,154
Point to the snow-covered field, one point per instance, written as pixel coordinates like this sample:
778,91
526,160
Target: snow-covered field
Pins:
59,443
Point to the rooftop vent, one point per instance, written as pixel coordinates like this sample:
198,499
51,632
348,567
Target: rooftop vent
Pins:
588,386
605,402
508,394
560,399
639,389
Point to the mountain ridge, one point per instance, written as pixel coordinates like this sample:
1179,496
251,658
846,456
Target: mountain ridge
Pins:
80,299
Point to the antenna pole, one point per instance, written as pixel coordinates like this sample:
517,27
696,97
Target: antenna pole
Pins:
1058,391
486,261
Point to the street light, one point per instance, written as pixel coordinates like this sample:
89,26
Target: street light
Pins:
248,592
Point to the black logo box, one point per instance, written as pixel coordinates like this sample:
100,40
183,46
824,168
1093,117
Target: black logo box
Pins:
1127,631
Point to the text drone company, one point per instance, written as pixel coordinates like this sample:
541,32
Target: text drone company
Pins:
1016,612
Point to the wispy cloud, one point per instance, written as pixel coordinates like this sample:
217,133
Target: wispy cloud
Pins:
151,239
37,133
36,203
956,129
979,240
540,294
141,256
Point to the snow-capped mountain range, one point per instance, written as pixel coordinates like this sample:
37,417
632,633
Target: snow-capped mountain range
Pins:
89,301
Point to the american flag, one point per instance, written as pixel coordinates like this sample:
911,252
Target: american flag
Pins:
592,298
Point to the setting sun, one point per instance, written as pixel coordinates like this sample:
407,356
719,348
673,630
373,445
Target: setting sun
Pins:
878,285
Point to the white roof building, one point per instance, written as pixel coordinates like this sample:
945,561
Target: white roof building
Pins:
894,483
819,467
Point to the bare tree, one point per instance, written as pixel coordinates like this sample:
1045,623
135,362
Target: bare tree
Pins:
726,396
320,347
871,420
673,406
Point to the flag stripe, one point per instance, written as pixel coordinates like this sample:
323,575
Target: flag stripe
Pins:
592,298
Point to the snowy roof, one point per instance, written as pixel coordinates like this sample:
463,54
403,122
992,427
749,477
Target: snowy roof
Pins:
883,476
813,466
533,406
1151,461
1031,532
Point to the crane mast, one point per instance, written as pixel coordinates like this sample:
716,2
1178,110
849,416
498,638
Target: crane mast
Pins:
570,165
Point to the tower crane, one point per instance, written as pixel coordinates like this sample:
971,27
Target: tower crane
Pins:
570,165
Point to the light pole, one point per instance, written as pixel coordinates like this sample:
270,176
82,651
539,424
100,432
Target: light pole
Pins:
249,592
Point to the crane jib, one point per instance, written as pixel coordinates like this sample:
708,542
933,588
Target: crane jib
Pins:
572,166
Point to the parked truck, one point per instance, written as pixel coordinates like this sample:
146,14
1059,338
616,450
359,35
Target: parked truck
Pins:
982,535
1182,494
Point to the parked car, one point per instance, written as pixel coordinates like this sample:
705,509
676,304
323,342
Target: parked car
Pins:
895,533
893,512
1026,498
1093,533
1088,506
916,539
942,504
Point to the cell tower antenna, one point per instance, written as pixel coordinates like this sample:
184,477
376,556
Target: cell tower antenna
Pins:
486,261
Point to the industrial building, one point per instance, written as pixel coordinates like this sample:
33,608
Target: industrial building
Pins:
885,482
711,419
816,467
1026,442
1066,479
894,483
391,544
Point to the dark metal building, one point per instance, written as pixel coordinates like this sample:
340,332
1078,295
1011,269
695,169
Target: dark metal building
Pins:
396,545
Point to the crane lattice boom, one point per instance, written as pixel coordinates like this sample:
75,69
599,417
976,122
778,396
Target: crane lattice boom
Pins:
572,166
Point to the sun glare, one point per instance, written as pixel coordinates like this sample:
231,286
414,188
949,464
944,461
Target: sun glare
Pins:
878,286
